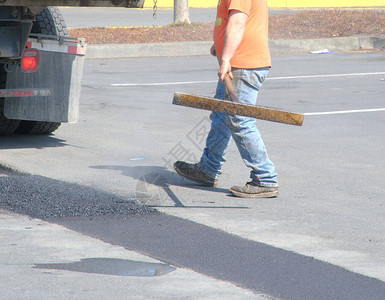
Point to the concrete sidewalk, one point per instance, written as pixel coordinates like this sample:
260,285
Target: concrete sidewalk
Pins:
202,47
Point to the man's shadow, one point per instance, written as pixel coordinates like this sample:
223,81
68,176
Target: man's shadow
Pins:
159,177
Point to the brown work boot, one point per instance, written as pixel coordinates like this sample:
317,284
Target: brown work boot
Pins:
252,190
193,173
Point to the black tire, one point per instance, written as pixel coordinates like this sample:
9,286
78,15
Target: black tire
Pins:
49,21
36,127
7,126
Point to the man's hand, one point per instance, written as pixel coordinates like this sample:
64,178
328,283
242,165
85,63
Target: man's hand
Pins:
225,68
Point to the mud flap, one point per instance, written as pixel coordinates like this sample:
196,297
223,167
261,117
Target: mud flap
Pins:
60,71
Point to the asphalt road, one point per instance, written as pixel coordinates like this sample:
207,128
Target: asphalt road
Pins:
102,17
327,225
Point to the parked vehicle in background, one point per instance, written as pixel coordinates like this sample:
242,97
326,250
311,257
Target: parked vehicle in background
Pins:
40,66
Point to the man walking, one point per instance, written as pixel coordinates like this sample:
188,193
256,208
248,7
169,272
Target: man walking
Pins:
241,44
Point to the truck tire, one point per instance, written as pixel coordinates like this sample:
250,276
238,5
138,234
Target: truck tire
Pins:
37,127
7,126
49,21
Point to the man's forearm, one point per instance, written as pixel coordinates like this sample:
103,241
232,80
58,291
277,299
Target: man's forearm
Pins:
234,34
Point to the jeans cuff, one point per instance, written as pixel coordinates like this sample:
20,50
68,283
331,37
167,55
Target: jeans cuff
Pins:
202,168
270,185
265,183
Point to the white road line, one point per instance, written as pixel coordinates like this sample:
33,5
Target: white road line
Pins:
326,76
344,112
278,78
269,78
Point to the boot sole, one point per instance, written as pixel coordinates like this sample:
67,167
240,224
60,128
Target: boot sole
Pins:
270,194
197,180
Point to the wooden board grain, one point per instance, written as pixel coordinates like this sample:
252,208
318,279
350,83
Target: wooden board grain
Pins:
253,111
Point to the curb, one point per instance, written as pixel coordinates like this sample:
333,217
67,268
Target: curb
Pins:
203,47
332,44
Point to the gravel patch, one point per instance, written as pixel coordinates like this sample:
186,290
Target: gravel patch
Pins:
44,198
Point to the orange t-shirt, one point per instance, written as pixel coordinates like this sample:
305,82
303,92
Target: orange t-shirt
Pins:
253,52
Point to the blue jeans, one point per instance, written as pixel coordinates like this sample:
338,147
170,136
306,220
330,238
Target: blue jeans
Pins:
243,130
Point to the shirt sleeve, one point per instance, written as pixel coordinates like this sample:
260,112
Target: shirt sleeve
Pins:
241,5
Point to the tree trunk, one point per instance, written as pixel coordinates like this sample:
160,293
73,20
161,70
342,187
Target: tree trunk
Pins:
181,11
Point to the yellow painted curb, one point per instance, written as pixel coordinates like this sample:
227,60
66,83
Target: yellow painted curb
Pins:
325,3
278,3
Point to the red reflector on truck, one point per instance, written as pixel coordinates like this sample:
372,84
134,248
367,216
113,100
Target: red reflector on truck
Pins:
30,60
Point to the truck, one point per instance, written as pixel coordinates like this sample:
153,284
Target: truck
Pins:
40,65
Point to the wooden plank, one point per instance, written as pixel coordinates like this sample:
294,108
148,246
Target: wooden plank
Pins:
258,112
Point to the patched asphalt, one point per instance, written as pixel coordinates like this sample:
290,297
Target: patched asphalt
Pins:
44,198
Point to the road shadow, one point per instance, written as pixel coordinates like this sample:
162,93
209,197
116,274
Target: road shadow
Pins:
154,184
151,172
8,142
